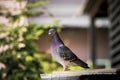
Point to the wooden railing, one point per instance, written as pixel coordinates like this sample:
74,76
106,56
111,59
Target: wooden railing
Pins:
95,74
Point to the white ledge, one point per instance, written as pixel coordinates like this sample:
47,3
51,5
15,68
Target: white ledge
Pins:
74,75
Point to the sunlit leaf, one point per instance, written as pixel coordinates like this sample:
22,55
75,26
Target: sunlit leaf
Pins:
36,4
28,58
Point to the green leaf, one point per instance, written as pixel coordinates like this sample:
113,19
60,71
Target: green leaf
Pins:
36,4
28,58
32,14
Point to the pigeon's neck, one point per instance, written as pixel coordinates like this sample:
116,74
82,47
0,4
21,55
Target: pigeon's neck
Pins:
56,39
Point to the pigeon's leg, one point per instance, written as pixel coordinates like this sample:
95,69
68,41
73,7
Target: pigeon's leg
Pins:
65,68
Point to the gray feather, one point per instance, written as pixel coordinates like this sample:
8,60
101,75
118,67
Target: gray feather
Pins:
68,55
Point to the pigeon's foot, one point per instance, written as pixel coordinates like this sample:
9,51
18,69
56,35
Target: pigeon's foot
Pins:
66,69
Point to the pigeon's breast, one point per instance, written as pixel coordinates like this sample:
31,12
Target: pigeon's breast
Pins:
56,55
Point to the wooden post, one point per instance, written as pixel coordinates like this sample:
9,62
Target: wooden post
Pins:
92,42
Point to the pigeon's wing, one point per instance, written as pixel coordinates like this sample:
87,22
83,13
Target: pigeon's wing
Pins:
66,53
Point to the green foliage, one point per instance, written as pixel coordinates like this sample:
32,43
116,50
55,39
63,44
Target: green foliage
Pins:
50,65
19,57
36,4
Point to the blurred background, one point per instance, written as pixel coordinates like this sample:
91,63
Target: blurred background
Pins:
84,26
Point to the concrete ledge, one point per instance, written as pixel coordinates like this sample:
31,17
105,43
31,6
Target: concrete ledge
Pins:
96,74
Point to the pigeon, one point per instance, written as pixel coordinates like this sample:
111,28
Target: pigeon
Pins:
62,54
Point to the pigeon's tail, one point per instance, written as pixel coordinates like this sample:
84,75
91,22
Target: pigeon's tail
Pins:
81,63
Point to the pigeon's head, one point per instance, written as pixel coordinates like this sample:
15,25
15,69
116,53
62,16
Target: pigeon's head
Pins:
52,31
